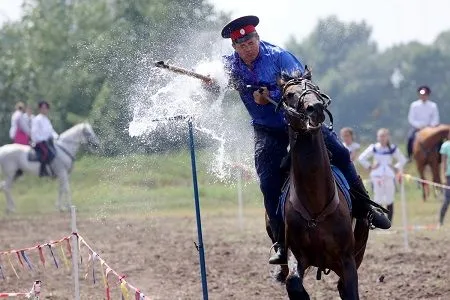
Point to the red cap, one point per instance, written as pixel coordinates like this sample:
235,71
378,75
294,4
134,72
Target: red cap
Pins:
241,32
240,27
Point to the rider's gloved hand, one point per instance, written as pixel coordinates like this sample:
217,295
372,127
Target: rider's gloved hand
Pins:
261,96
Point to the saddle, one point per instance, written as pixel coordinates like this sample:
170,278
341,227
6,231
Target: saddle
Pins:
341,183
34,157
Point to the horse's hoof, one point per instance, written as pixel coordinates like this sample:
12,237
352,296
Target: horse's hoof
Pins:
279,275
295,289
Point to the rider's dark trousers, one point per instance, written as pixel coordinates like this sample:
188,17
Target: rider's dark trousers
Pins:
271,147
411,136
45,151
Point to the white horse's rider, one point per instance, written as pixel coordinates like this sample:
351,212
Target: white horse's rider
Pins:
42,135
422,113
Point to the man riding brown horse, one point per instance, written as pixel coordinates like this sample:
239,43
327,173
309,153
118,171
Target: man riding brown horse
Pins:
256,63
422,113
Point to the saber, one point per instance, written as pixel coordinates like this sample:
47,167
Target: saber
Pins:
161,64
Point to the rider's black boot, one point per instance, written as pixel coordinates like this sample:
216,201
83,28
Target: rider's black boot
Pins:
42,170
362,207
280,255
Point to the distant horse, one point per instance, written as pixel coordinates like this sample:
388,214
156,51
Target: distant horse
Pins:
317,217
15,159
426,152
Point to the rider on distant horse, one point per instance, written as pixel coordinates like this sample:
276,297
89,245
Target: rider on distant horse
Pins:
422,113
259,63
42,134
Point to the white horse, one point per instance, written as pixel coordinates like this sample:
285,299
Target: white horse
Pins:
14,159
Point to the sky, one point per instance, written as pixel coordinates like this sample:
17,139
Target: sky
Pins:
393,21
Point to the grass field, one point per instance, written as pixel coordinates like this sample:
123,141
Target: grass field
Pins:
161,183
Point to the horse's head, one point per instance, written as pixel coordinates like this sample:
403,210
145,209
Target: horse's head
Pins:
89,137
305,105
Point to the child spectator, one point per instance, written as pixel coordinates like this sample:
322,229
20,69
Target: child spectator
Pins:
382,173
347,140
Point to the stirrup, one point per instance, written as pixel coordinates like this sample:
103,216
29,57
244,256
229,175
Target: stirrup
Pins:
274,246
370,219
281,263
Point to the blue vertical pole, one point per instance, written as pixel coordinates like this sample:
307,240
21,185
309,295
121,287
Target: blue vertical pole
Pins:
197,212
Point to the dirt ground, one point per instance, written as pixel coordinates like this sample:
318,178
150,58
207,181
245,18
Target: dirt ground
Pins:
157,254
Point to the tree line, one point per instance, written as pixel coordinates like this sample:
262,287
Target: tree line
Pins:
83,56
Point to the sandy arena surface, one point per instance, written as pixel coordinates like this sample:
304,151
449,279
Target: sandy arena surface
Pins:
158,256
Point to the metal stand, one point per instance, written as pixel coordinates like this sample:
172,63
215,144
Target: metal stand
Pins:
197,212
199,246
75,254
404,215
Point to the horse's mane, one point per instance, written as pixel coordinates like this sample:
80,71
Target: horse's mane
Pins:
71,131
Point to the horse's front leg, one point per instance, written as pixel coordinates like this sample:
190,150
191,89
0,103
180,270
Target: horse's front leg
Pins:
6,186
294,283
64,191
348,281
436,177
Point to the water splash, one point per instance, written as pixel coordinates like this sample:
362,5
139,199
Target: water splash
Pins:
162,97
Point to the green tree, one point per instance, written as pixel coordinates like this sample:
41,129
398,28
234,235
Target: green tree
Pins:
84,57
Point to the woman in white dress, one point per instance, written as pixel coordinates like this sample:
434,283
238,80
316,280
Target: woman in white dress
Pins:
378,158
347,140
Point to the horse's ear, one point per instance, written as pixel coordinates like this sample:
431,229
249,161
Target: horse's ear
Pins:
283,79
308,74
281,82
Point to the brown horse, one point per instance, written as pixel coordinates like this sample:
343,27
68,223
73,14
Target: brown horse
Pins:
317,218
426,152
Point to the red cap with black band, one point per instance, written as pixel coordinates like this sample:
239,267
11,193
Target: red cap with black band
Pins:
241,28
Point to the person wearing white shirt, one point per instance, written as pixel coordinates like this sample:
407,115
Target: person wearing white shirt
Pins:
28,118
378,159
422,113
42,134
347,140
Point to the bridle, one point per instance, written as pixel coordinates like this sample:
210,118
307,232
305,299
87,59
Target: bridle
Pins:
308,87
86,134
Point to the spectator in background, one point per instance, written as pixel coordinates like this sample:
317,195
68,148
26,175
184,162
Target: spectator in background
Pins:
382,174
20,127
28,115
445,151
347,140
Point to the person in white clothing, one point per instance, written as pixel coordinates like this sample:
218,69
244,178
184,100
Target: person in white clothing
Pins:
28,117
347,140
422,113
42,134
382,173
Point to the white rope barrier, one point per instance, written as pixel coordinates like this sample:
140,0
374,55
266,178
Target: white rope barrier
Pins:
408,228
33,294
69,246
410,177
